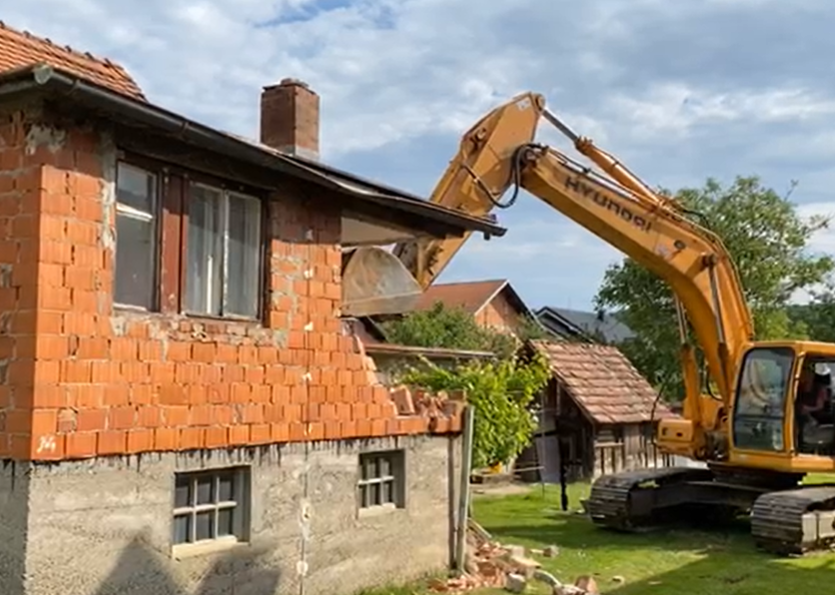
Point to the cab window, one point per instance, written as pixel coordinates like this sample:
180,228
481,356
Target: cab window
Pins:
759,413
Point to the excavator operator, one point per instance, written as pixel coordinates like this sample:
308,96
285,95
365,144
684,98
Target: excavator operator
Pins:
814,406
814,390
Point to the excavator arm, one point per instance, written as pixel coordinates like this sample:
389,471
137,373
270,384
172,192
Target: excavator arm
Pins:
690,259
475,179
498,154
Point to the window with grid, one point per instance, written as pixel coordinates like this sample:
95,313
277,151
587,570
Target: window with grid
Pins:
210,505
136,237
223,254
381,480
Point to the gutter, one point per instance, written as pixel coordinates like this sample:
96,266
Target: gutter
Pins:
42,77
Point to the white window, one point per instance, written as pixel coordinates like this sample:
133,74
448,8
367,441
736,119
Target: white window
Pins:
382,480
136,237
211,506
223,267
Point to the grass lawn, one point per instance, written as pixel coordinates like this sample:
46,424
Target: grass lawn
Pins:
673,562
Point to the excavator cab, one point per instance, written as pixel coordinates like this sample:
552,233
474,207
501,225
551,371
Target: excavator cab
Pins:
814,420
784,407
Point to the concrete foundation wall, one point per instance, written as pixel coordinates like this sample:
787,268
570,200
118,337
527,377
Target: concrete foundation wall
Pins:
104,526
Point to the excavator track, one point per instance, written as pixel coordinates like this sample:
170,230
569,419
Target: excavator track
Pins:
795,522
624,501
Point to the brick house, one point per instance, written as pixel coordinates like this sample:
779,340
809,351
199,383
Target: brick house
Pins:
181,407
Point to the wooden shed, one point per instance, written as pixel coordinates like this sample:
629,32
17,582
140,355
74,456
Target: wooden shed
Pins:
597,412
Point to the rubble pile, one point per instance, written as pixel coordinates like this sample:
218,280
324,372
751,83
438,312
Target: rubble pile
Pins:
491,564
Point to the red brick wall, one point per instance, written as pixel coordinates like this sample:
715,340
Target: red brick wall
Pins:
82,379
500,315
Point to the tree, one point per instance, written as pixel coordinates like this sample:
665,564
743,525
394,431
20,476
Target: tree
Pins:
450,328
530,329
500,390
768,241
818,316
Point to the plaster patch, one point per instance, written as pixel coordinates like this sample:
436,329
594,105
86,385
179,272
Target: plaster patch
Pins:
39,136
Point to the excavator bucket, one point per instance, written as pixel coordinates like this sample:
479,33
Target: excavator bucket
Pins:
375,281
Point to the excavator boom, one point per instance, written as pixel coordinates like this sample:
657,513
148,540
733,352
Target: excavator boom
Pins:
475,179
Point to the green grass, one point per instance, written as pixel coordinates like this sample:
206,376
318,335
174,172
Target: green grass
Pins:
673,562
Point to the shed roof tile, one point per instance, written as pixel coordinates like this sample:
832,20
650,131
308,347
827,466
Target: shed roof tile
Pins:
603,382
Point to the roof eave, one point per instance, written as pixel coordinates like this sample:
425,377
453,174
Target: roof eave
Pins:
45,78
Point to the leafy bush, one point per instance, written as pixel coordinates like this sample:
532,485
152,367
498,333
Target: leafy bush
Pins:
500,391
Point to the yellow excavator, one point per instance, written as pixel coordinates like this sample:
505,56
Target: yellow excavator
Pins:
764,418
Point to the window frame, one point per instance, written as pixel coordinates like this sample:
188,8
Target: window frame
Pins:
774,416
240,506
173,183
225,195
397,478
156,233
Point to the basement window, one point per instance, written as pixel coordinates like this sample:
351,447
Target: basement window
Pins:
382,482
136,237
223,256
211,507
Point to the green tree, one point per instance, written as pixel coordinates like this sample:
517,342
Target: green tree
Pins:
768,240
530,330
449,328
500,390
818,316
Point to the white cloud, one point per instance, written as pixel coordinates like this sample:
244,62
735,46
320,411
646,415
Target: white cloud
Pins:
676,108
679,91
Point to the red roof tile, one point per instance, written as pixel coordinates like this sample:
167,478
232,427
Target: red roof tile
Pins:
470,296
20,48
603,382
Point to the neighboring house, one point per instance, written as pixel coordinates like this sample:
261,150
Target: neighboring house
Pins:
181,408
494,303
583,326
600,407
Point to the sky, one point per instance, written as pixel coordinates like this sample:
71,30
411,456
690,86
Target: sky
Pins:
679,91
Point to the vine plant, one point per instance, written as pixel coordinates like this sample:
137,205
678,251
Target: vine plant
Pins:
500,390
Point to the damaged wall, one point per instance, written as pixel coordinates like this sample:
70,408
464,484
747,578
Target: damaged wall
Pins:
85,379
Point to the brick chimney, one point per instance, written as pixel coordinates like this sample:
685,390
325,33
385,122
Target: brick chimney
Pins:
290,118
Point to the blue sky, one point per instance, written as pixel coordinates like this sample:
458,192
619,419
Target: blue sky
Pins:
678,90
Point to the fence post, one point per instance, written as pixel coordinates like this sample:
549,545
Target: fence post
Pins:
464,500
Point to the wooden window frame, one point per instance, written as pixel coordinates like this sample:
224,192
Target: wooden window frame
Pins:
172,216
156,220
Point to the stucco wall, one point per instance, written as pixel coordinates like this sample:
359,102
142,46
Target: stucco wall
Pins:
103,526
